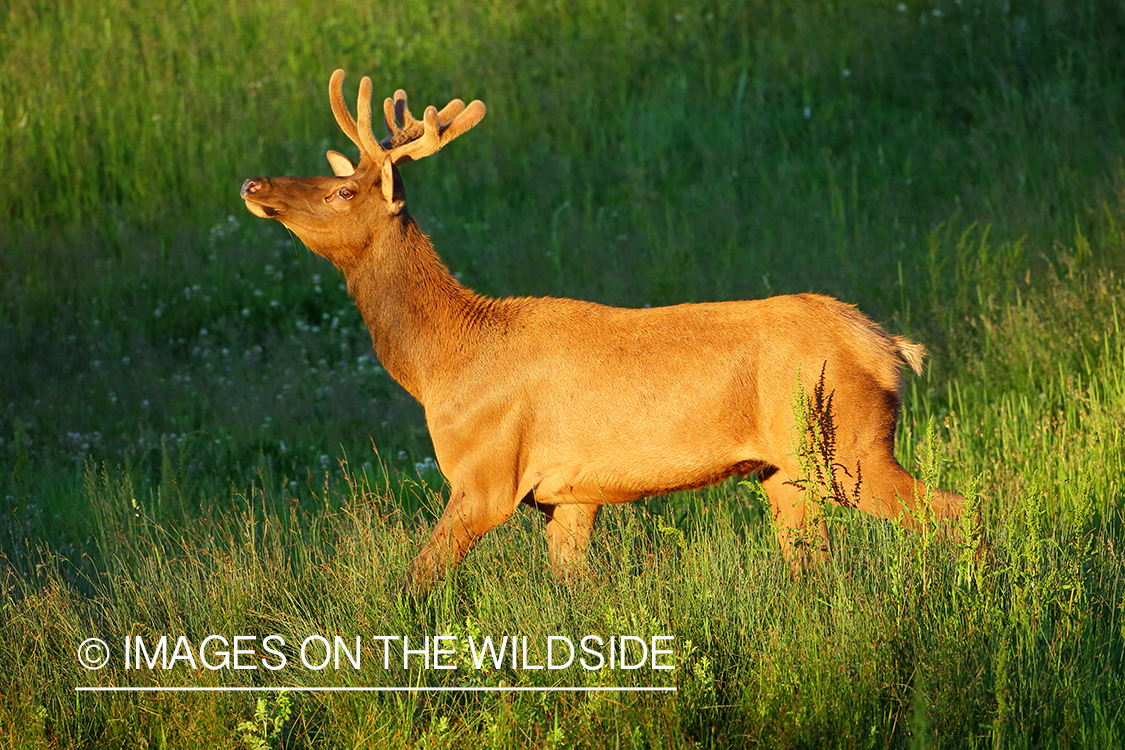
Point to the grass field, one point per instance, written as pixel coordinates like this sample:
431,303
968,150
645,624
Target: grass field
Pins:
196,437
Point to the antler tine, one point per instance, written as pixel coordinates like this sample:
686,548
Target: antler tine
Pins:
368,146
410,141
451,110
402,111
340,108
466,119
435,135
428,143
396,111
389,118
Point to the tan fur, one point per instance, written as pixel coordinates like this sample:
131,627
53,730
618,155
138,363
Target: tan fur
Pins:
569,405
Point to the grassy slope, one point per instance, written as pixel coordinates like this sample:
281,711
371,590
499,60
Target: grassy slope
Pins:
953,168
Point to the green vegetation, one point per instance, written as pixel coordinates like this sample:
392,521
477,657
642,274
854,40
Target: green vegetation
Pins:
196,438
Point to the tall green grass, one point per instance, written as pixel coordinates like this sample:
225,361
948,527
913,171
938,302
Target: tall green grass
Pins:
181,381
895,641
724,141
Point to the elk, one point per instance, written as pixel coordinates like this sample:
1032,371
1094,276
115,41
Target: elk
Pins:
567,405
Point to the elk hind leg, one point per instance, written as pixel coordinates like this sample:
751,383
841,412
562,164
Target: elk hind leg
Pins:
791,515
889,492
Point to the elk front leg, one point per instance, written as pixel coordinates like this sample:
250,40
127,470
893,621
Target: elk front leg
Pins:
465,520
791,516
568,532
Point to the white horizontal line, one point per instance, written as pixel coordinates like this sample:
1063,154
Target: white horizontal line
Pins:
300,689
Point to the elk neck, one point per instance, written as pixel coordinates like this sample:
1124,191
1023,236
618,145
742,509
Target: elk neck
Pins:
423,322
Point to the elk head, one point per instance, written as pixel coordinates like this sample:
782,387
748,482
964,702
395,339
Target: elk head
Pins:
338,217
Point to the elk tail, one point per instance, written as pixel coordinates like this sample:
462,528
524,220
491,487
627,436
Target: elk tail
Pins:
909,353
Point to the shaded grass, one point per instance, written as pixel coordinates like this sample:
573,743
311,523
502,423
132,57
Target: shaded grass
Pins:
730,140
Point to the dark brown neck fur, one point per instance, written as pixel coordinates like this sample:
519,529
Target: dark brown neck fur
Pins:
419,316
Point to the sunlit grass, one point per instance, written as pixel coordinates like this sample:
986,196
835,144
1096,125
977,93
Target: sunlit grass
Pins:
890,637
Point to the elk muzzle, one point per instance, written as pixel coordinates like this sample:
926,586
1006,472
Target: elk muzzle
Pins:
250,190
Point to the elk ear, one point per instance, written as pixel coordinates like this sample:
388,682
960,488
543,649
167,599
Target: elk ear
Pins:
341,165
388,179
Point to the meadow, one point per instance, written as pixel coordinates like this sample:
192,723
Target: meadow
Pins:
197,439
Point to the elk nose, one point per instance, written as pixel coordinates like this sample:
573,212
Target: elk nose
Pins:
251,186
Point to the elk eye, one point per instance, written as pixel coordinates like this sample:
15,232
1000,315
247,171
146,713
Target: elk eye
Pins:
345,193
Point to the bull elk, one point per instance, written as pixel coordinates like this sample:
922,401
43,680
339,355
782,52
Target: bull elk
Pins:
568,405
